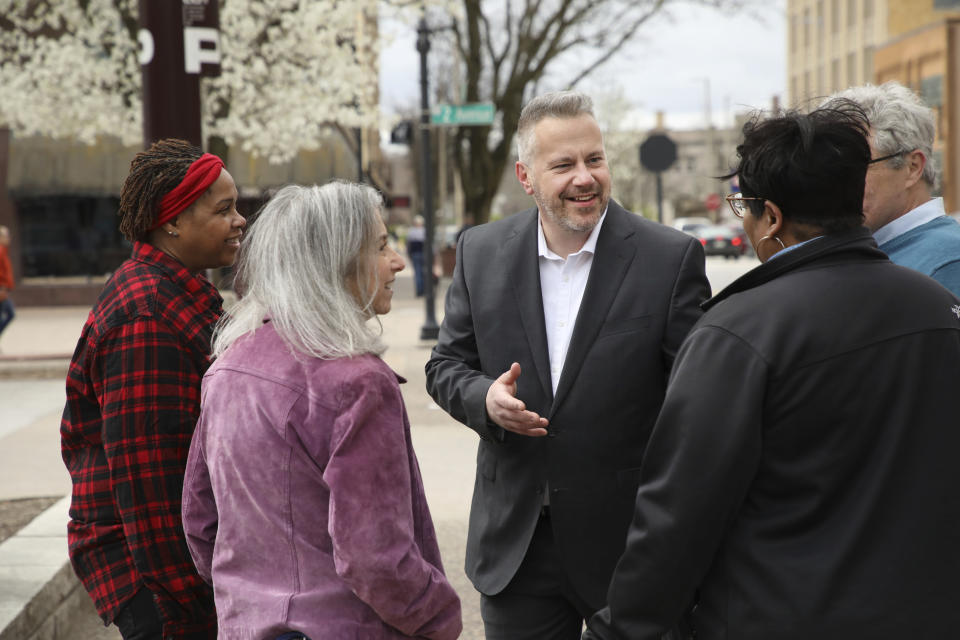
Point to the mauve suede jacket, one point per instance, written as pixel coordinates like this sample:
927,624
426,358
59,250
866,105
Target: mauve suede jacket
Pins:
303,502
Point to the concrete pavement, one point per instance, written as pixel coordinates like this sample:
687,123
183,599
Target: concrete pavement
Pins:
34,353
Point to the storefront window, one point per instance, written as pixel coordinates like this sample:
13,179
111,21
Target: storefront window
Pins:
70,235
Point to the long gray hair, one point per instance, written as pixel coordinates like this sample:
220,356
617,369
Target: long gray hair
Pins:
303,256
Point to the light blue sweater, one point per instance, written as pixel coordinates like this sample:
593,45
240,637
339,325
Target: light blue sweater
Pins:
932,248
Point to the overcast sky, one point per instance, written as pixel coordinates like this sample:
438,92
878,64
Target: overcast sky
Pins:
741,58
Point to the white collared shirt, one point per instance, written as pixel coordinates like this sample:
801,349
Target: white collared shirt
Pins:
912,219
562,283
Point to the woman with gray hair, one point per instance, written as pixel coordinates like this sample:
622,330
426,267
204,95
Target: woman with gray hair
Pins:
303,503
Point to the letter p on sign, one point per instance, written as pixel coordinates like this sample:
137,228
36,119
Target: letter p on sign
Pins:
194,53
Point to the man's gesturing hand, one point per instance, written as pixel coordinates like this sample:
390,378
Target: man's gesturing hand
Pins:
504,408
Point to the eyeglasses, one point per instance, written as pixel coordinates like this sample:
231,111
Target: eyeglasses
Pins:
738,204
892,155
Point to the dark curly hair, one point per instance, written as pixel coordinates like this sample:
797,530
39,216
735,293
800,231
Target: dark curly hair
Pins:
812,165
153,174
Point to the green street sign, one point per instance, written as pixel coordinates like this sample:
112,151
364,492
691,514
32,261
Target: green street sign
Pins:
475,114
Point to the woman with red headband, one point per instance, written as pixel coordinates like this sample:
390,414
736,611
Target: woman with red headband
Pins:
133,395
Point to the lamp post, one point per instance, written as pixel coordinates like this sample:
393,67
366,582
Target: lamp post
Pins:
430,330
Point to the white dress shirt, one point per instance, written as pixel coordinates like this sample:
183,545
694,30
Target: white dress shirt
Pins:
562,283
923,214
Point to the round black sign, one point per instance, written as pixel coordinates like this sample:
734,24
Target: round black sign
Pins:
658,153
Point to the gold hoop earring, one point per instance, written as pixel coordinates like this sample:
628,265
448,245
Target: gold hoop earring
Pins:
760,242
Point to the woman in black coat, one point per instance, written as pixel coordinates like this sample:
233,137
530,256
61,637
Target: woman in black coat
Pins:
802,478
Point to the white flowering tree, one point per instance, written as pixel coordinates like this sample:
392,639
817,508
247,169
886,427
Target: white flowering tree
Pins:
289,69
68,68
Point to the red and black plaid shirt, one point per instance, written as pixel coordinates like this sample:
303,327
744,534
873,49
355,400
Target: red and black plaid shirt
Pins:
133,397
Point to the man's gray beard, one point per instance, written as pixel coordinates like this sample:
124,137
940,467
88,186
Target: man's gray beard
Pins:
566,223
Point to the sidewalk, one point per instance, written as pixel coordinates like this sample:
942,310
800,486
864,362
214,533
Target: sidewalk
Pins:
40,341
36,582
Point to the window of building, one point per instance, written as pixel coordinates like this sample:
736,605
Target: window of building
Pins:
819,23
806,28
931,90
867,9
852,69
834,16
946,4
868,64
835,82
793,32
70,235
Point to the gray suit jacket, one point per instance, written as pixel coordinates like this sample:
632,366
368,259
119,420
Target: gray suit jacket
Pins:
642,296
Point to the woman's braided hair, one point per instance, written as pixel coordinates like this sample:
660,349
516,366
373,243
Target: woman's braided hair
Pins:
153,174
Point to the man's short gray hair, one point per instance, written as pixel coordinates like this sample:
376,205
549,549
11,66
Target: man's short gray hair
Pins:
900,122
557,104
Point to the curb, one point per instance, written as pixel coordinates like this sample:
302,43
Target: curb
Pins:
39,366
38,591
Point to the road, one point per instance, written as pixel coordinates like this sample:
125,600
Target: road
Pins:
446,450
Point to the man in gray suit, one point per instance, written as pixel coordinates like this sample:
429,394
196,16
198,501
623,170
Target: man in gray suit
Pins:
561,325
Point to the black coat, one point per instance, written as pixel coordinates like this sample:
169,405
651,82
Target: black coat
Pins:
642,296
803,478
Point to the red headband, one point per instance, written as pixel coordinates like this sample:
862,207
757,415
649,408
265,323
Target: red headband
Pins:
202,173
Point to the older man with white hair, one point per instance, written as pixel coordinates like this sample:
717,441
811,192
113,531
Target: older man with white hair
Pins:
907,222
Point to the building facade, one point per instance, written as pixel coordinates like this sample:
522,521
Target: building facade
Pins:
831,46
59,197
834,44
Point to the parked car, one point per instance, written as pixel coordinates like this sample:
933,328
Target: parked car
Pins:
745,248
691,224
720,241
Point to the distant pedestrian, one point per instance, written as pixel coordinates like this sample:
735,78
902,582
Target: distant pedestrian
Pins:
133,395
7,311
303,502
908,223
801,479
416,236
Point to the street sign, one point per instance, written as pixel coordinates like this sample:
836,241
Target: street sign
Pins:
474,114
658,153
712,202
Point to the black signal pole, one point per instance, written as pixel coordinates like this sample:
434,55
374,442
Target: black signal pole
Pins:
657,154
430,330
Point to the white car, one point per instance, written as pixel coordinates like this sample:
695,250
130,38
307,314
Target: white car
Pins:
690,225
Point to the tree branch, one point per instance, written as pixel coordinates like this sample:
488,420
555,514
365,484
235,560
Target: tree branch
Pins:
626,35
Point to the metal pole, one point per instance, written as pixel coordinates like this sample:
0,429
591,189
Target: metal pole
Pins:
660,197
358,135
430,330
